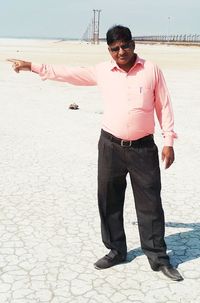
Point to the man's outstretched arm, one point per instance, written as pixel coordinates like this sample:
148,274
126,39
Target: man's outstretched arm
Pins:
82,76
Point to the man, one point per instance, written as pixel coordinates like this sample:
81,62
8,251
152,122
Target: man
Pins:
132,90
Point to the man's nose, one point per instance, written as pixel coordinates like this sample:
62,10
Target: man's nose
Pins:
121,50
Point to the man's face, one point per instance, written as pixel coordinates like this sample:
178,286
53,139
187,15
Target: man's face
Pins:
123,53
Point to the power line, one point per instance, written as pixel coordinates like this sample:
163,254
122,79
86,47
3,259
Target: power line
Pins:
92,32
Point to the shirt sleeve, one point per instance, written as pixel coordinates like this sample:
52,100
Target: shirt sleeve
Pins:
164,109
82,76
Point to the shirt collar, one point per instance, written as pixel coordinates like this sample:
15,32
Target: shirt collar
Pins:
114,66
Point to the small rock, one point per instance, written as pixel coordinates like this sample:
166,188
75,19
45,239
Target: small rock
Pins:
73,106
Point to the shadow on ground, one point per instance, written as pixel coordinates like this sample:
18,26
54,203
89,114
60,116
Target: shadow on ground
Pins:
182,246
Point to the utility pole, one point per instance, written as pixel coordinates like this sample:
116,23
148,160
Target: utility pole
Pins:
96,23
168,30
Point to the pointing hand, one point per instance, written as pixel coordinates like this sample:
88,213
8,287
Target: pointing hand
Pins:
20,65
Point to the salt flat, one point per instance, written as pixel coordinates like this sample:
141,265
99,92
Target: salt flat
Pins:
49,223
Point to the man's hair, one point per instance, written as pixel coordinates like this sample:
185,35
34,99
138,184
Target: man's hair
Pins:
118,33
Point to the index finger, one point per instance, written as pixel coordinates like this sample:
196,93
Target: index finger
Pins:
12,60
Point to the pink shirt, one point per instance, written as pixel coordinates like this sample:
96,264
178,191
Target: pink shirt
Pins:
129,98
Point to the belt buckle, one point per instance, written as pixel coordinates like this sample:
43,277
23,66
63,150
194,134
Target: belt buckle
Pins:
128,143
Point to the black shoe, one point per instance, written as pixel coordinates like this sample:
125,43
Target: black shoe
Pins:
171,272
109,260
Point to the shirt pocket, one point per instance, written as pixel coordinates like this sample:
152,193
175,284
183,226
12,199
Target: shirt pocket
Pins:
143,98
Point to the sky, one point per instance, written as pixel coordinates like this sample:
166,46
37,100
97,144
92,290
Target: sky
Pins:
70,18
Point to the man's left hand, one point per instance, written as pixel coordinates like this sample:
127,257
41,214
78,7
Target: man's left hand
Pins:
168,156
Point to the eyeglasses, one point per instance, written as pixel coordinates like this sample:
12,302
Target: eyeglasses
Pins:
123,46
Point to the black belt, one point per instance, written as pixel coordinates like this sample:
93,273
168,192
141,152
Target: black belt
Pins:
126,143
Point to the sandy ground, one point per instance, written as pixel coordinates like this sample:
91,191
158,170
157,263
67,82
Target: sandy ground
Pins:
49,224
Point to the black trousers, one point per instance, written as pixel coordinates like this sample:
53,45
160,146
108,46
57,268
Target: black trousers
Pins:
141,162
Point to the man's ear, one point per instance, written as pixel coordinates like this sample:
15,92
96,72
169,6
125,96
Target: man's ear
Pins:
109,49
133,44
